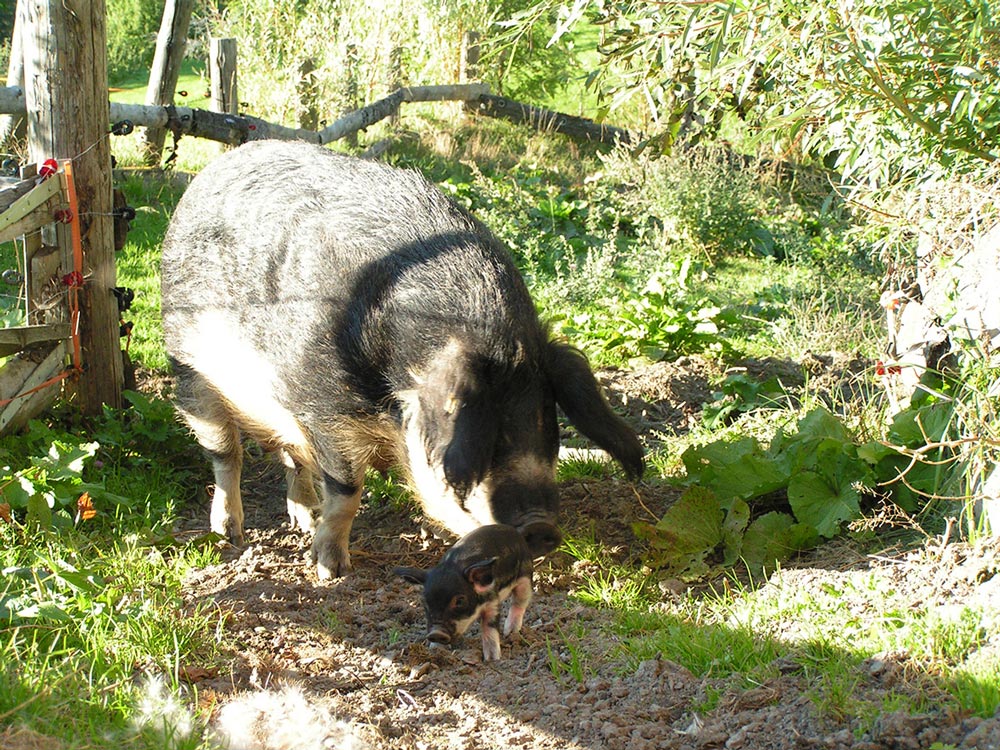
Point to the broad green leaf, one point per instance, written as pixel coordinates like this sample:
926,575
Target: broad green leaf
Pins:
767,541
823,503
40,509
737,518
19,492
917,427
737,469
67,461
821,424
689,531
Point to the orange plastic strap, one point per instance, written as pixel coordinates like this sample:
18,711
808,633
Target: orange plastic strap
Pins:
74,292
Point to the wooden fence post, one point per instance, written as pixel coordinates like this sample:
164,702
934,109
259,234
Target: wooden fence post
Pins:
222,71
66,97
170,44
351,88
14,127
468,66
395,80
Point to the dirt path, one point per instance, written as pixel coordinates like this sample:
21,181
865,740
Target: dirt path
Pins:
342,664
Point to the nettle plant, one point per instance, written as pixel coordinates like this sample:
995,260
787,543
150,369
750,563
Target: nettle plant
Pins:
51,479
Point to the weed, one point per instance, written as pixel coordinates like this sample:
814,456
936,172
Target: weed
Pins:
567,661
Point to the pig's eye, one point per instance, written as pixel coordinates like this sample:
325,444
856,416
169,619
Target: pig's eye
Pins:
459,602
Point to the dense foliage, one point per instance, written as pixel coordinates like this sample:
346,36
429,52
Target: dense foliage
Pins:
881,90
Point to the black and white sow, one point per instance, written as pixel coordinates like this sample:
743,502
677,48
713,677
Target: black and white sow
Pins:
347,315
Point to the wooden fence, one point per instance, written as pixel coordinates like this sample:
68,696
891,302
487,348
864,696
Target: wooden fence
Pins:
235,129
43,212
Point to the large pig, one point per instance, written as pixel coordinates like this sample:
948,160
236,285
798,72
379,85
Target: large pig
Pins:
348,315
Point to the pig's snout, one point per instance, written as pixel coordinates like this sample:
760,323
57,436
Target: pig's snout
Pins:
542,537
438,635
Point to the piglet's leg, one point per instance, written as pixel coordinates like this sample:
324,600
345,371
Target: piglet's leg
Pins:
491,636
519,604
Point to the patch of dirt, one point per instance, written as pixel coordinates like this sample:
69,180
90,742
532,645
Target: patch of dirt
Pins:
343,663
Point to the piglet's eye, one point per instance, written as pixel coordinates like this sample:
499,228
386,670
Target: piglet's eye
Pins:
459,602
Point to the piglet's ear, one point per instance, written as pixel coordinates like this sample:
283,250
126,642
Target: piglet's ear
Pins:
480,575
413,575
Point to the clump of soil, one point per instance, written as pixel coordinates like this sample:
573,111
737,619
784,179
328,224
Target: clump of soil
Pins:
344,661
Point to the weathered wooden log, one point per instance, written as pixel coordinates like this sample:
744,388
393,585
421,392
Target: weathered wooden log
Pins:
459,92
68,118
19,375
171,43
236,129
545,119
222,73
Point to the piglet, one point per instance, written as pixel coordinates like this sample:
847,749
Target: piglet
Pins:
475,576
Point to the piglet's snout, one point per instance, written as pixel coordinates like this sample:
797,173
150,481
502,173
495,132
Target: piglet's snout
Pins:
438,635
542,537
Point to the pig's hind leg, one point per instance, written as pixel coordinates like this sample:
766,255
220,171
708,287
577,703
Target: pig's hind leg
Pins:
301,500
519,604
216,431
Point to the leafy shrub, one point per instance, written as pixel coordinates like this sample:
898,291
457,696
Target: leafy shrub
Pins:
711,202
758,504
664,320
132,28
52,479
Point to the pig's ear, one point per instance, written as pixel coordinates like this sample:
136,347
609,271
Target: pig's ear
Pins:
458,418
578,394
480,575
413,575
470,450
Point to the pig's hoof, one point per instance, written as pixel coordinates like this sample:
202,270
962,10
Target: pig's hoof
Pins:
491,646
302,518
331,561
329,552
231,532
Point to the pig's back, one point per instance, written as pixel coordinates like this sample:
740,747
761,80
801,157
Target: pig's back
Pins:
304,257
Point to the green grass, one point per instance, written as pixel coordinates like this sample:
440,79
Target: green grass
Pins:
192,87
87,612
831,632
138,264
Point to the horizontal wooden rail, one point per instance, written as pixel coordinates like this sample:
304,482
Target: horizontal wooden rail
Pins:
18,339
548,120
236,129
30,209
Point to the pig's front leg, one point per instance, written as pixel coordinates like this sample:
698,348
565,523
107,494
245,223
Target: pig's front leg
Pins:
490,634
518,606
341,501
